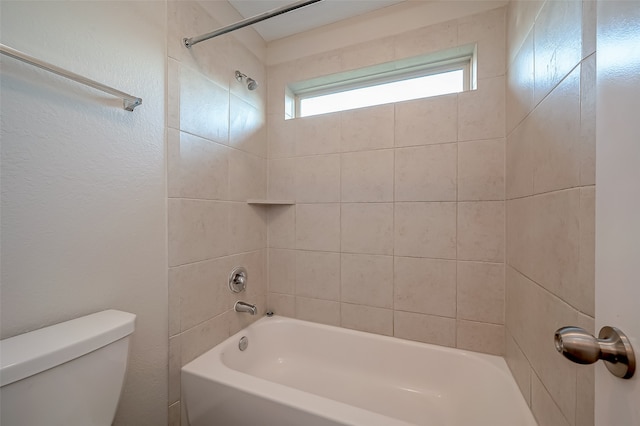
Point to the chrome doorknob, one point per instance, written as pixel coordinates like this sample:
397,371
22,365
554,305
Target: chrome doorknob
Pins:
612,346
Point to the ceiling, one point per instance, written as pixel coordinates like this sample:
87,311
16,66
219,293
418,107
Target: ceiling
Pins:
306,18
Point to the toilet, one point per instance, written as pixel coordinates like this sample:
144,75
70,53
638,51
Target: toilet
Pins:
68,374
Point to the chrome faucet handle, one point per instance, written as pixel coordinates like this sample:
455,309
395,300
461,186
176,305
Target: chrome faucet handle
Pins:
238,279
612,346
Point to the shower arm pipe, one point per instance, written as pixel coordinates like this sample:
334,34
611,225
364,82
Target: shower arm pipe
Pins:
188,42
129,101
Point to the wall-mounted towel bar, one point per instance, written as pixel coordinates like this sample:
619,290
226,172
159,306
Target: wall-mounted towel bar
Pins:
129,102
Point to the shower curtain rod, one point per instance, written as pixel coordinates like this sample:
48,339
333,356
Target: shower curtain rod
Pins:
188,42
129,101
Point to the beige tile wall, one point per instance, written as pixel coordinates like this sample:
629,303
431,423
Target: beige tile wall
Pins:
550,160
216,161
399,223
401,219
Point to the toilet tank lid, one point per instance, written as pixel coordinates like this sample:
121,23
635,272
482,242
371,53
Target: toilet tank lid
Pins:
33,352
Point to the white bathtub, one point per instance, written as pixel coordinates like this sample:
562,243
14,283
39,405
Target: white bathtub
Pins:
297,373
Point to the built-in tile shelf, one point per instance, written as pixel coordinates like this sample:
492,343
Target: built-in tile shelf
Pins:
271,202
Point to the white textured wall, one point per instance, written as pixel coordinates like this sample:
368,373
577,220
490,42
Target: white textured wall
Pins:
83,181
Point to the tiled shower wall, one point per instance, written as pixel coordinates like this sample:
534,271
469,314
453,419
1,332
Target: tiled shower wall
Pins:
398,226
216,161
550,202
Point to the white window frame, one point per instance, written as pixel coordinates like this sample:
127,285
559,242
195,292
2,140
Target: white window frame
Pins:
461,58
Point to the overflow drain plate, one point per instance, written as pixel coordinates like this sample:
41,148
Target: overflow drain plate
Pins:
244,342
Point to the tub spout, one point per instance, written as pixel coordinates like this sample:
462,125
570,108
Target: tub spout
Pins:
245,307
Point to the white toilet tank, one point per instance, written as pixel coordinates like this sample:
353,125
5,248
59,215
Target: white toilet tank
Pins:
68,374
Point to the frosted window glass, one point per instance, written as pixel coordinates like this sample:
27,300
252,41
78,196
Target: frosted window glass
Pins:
397,91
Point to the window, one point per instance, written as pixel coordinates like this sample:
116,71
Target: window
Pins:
436,74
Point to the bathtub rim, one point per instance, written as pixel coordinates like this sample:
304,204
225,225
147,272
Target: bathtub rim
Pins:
210,366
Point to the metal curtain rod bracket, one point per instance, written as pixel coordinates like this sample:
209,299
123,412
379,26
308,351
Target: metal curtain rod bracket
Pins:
188,42
129,101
